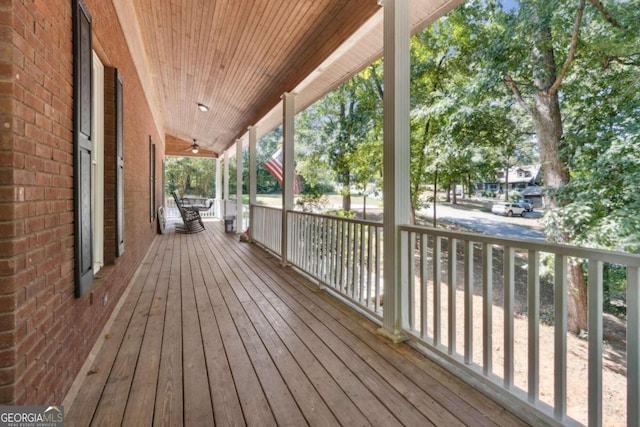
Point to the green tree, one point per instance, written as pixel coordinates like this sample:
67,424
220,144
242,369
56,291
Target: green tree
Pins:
556,40
333,129
191,176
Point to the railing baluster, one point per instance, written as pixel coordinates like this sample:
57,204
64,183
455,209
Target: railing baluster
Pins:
423,286
341,279
363,260
595,290
317,246
304,253
437,284
369,264
633,346
468,301
334,257
560,337
453,261
349,268
487,306
533,317
354,261
326,239
411,278
508,288
378,268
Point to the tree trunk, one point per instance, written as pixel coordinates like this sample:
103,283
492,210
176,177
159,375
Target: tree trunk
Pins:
346,202
346,192
455,191
547,119
435,196
412,213
577,303
548,123
506,183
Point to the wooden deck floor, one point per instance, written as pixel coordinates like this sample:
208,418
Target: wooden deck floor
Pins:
214,331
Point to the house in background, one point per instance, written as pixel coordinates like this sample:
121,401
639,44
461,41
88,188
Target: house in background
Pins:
519,177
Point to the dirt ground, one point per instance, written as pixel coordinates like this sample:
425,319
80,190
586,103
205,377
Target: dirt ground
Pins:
614,346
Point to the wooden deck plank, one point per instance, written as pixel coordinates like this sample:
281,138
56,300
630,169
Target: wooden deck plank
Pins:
284,407
140,404
360,394
198,407
113,401
391,397
227,410
252,398
227,336
169,408
315,411
340,403
86,402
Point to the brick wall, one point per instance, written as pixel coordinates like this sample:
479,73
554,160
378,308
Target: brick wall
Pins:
46,333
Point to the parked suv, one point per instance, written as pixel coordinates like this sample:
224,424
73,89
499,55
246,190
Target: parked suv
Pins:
526,203
508,209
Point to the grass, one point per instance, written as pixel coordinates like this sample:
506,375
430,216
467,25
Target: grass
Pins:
335,200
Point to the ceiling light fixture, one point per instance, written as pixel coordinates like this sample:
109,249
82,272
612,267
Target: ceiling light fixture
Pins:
202,107
195,147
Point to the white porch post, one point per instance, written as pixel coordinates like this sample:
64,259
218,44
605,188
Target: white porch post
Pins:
219,207
396,162
288,130
239,161
253,173
225,184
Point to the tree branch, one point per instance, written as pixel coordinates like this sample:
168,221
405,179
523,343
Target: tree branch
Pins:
624,60
572,48
516,91
605,13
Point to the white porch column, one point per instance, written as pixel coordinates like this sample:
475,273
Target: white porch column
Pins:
219,207
396,162
239,161
253,173
225,185
288,131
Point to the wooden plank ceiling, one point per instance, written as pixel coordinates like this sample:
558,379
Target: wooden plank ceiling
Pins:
239,56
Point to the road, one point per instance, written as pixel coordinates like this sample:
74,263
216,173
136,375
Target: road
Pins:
488,223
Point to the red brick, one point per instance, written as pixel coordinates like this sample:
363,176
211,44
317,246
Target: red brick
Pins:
7,340
10,266
7,358
7,303
13,159
7,395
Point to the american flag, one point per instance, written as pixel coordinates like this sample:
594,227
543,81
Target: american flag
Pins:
274,165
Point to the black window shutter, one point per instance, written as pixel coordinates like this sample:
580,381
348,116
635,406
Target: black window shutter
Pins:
119,168
82,124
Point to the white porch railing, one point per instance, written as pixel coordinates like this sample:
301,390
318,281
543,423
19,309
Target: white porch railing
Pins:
441,317
267,227
342,254
229,207
171,211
